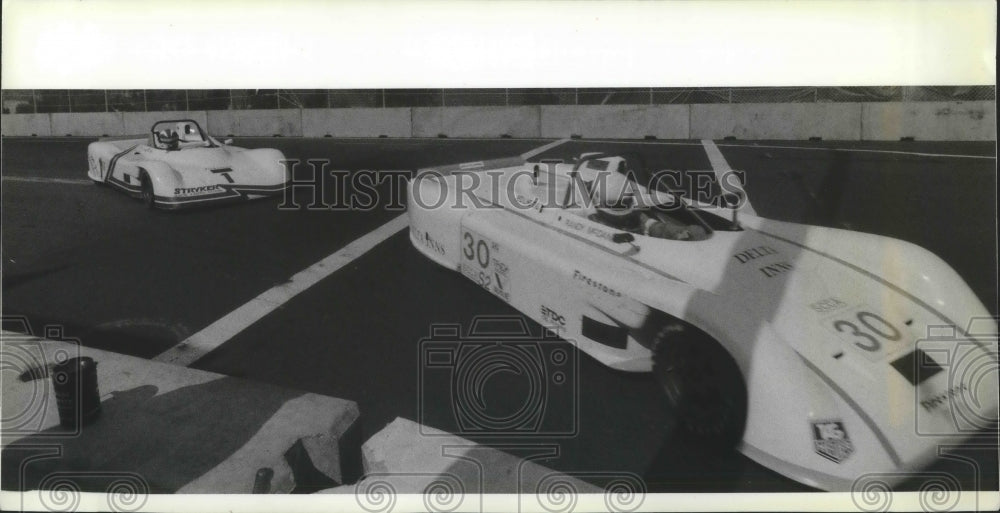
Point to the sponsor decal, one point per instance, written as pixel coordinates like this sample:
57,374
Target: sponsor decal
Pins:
225,172
599,232
577,275
754,253
528,202
432,244
916,366
553,317
827,305
596,231
934,402
191,191
481,263
573,224
773,270
867,332
831,441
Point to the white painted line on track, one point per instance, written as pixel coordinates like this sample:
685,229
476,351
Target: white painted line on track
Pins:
542,149
35,179
215,334
721,167
715,157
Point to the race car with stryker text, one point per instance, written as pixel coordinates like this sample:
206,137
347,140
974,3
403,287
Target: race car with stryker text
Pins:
178,165
821,353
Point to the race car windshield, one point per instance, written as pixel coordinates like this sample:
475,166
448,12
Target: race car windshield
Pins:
180,134
672,220
675,220
715,221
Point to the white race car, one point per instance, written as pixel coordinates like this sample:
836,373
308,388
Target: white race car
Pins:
826,355
179,165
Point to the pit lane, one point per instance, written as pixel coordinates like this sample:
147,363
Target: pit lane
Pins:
121,278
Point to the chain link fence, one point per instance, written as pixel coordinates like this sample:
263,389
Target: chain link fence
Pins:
156,100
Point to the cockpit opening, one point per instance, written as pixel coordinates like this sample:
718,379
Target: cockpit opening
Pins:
673,222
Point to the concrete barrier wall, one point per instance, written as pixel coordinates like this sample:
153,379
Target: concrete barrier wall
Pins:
26,124
476,121
832,121
141,122
945,121
616,121
941,121
88,123
286,122
361,122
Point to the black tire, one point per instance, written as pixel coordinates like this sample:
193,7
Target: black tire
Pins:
702,383
146,192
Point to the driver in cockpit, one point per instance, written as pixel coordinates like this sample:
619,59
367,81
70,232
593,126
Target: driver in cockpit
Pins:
621,214
627,216
665,227
168,138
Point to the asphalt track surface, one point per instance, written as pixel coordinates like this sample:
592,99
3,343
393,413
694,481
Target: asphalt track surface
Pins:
122,278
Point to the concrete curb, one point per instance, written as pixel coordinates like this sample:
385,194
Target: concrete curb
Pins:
172,428
406,458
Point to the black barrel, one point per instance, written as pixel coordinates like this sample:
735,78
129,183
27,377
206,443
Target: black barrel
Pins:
262,481
77,397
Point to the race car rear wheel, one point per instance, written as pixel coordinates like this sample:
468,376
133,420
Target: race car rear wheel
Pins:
146,192
702,383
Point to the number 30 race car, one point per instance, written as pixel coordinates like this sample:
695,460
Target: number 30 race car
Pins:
178,165
826,355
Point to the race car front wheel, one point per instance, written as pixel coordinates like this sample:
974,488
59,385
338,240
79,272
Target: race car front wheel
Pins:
146,192
702,384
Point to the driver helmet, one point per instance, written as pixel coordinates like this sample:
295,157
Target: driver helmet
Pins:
188,132
167,138
622,213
